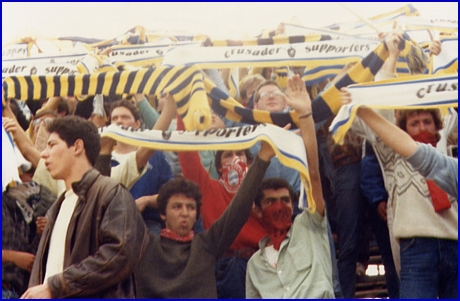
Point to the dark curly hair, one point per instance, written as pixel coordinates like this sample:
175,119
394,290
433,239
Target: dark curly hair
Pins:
179,185
71,128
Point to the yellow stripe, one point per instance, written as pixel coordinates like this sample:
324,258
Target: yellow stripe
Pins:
92,84
452,69
123,81
167,78
64,85
280,40
137,81
36,87
50,85
108,78
150,81
78,86
262,116
10,88
22,86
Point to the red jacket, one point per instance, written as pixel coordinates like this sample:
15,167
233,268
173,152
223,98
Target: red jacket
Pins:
216,199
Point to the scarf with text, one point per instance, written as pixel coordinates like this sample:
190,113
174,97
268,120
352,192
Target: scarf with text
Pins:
189,90
290,154
402,93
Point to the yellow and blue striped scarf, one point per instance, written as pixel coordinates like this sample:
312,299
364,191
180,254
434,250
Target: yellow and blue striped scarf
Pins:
185,84
189,90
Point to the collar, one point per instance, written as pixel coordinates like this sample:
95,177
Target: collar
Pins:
87,180
264,241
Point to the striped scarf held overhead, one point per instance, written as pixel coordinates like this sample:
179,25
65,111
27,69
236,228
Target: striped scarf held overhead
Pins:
185,84
411,59
189,90
324,106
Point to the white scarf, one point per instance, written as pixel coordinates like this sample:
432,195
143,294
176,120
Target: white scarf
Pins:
416,92
289,147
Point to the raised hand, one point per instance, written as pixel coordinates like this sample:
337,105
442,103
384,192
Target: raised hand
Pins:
297,96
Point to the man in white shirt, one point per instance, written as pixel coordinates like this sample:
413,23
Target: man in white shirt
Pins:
95,235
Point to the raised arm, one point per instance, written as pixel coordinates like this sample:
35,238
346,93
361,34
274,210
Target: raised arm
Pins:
143,154
299,100
24,144
393,136
392,40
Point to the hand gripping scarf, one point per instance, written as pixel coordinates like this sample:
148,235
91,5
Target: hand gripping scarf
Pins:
422,91
289,147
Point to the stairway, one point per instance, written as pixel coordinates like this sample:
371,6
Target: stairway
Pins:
372,286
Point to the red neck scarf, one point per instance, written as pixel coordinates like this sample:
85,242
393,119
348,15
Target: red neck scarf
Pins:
167,233
438,196
277,219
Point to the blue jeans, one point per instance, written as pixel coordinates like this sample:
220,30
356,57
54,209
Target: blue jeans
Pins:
349,207
429,268
231,277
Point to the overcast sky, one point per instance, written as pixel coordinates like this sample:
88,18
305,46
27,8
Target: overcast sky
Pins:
233,20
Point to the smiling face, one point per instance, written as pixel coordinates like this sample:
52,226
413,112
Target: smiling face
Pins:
419,122
270,99
181,213
58,157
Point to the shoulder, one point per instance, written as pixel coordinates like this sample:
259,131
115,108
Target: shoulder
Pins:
310,220
107,186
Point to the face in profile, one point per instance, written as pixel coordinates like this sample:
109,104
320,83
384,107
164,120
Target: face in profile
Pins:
58,157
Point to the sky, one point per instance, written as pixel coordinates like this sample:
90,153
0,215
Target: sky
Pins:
105,20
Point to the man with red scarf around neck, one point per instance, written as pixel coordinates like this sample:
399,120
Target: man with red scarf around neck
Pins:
294,259
421,218
179,263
